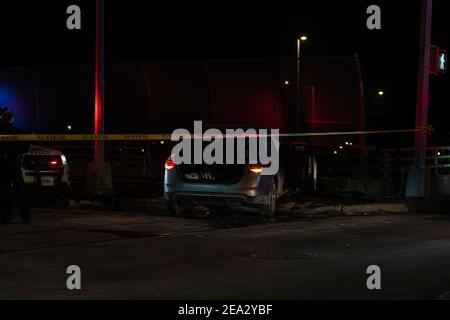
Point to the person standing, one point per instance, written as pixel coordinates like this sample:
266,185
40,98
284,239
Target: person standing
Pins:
14,156
5,176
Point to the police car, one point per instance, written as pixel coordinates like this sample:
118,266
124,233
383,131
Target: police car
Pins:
45,168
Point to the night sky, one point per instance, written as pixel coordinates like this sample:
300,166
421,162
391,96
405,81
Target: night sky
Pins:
35,33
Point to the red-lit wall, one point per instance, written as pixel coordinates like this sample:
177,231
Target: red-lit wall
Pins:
152,97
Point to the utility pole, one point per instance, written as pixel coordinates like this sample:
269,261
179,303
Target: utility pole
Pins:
297,113
415,186
99,125
99,178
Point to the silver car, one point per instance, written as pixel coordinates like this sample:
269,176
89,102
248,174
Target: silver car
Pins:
239,185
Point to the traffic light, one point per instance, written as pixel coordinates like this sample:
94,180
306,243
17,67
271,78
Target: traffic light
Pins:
438,61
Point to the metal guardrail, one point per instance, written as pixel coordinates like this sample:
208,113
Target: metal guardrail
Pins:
130,161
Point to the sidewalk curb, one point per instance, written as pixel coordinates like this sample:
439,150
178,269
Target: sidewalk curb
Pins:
375,208
143,204
436,206
338,209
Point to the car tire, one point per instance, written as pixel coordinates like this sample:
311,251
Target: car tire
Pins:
269,209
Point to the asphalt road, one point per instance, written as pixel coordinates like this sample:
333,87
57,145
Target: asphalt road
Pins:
132,255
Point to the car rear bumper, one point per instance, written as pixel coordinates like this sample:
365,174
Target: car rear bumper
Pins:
212,199
252,189
45,180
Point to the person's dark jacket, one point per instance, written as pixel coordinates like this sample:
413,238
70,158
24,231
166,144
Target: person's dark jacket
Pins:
14,149
5,147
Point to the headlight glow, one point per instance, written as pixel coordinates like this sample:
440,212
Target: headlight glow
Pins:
63,160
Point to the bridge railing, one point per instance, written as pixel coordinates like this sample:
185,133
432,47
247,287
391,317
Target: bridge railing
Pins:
135,163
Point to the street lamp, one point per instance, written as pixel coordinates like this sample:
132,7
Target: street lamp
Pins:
381,93
299,41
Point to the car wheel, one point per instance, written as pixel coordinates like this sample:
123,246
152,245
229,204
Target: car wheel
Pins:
269,209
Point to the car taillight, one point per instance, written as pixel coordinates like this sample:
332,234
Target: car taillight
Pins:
169,165
54,162
255,168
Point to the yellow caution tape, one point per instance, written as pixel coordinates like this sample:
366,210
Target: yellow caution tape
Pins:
84,137
162,137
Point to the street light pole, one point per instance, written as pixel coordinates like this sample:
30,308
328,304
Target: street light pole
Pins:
297,115
416,176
